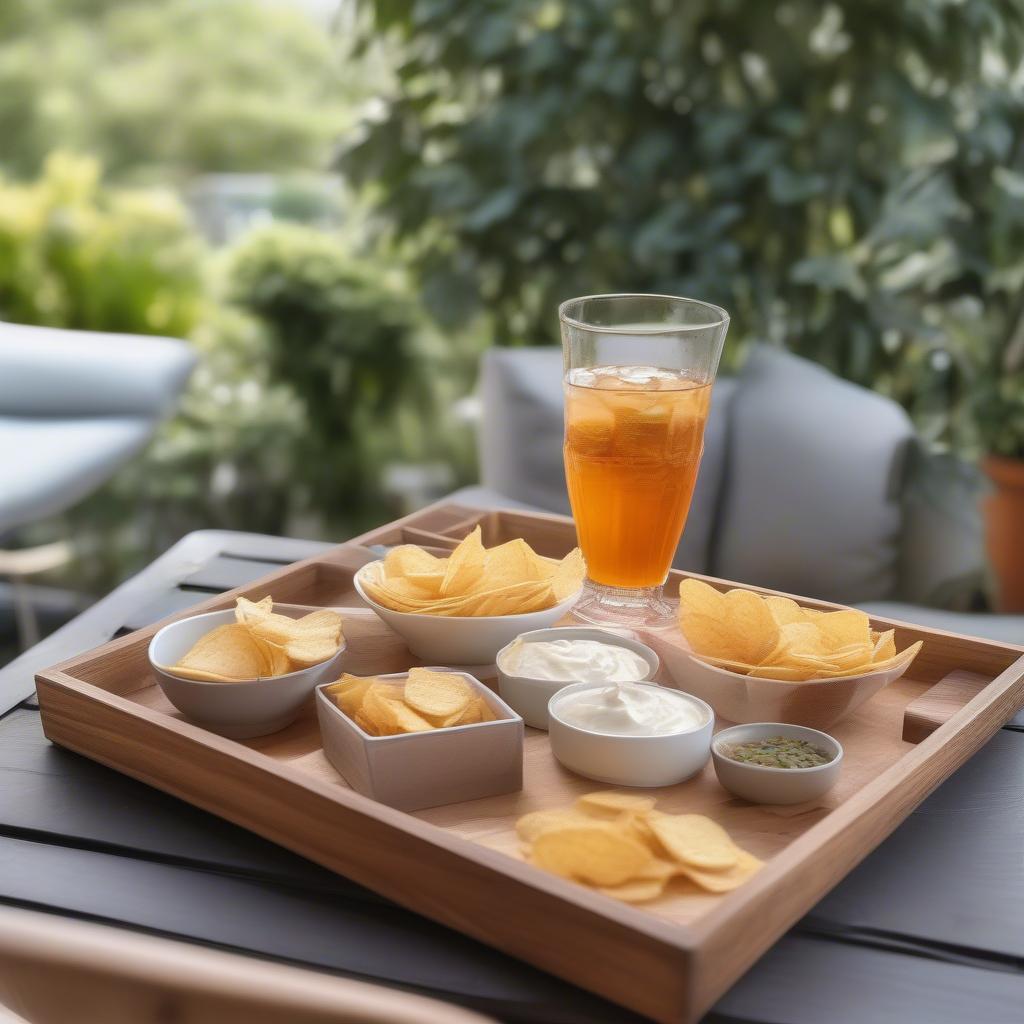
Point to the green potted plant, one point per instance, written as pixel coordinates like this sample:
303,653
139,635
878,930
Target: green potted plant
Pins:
999,416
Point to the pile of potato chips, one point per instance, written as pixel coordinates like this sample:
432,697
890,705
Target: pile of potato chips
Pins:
261,643
425,700
619,844
774,638
473,580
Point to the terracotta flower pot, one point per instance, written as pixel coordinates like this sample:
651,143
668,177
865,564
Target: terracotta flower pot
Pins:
1004,530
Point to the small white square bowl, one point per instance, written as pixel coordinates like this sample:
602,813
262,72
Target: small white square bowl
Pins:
426,769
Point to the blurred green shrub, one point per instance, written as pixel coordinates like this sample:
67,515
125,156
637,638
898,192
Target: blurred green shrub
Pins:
347,337
226,460
75,253
845,177
163,90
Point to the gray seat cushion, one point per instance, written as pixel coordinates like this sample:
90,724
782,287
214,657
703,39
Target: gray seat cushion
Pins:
49,372
59,461
1007,629
521,442
812,501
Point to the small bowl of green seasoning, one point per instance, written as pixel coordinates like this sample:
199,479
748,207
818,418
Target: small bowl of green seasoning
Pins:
775,763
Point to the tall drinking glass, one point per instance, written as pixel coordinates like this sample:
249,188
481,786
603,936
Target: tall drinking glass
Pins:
638,377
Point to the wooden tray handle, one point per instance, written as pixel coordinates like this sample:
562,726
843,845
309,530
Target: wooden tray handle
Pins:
938,704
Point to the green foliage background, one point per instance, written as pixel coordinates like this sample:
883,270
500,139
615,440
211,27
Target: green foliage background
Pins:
845,177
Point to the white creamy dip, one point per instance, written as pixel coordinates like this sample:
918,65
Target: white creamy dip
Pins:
630,710
574,661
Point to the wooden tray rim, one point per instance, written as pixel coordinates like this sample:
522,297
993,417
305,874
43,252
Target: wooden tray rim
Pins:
821,849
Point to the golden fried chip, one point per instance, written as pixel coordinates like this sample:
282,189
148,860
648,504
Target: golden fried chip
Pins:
785,609
597,853
348,692
636,891
884,645
200,676
698,597
612,800
408,558
531,825
228,651
437,694
726,880
568,576
695,840
731,631
465,565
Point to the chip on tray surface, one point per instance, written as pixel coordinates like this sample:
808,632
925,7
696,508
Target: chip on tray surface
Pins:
510,579
620,844
772,637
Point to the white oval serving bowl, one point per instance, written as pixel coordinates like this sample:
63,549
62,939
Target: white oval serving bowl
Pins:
646,761
530,696
761,784
461,639
816,703
241,710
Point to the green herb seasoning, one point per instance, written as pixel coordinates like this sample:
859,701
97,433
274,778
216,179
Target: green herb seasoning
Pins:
779,752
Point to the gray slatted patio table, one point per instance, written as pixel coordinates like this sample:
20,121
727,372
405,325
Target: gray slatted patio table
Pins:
929,928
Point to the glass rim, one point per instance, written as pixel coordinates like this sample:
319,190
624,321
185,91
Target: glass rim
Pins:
722,321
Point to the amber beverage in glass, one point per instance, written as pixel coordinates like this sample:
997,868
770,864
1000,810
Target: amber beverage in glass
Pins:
638,376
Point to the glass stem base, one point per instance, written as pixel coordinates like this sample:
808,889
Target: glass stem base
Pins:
633,608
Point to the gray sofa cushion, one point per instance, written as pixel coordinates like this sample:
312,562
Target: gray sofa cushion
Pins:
811,504
49,372
521,442
60,461
1006,629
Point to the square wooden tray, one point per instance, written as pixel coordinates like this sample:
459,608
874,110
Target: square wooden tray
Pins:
459,864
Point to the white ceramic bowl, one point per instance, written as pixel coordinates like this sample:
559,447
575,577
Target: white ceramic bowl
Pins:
461,639
239,710
426,769
530,696
763,785
816,703
649,761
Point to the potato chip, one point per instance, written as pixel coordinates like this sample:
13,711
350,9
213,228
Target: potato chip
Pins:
438,694
635,891
510,579
723,881
348,692
697,596
634,855
597,853
695,841
408,558
884,645
382,707
227,651
731,631
465,565
610,800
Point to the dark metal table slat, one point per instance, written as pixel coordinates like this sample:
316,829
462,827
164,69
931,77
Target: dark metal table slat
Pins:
370,940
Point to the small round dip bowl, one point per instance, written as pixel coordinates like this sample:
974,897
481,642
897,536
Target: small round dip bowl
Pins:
762,784
242,709
530,696
646,761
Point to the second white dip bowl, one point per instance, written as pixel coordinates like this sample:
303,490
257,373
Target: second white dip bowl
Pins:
647,761
530,696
